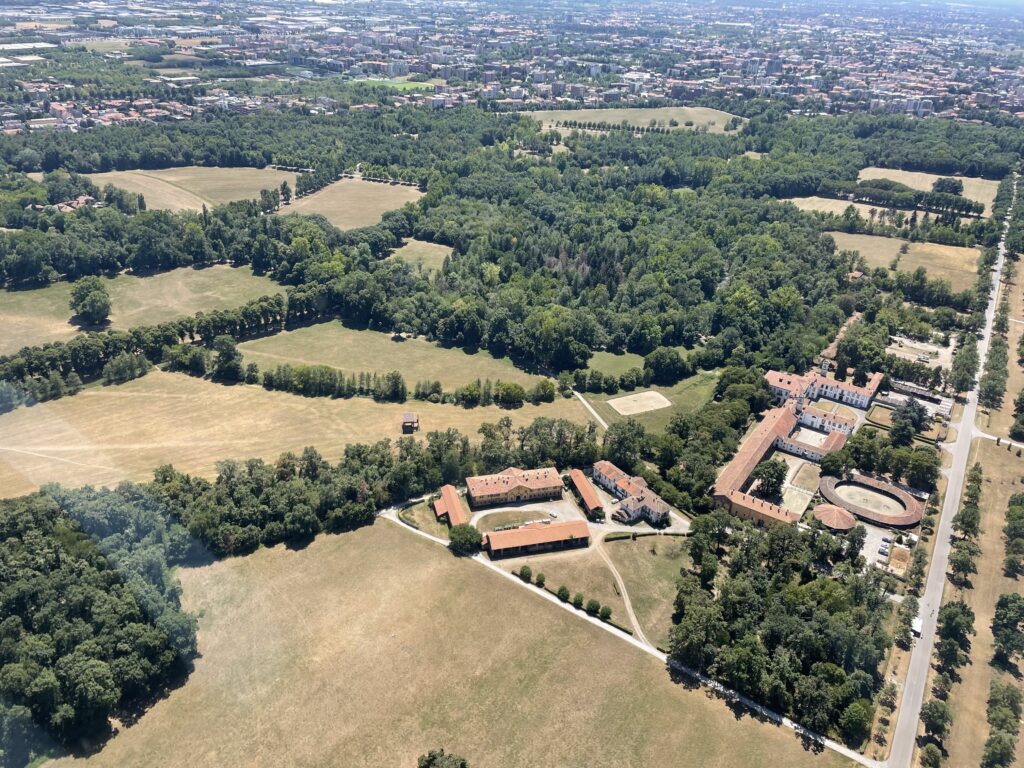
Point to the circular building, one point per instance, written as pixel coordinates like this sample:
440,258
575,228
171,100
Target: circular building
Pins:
834,517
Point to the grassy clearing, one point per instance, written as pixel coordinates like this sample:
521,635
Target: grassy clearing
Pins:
1003,470
492,520
372,647
107,434
950,262
423,516
612,364
192,187
42,314
650,567
686,396
979,190
828,205
581,570
429,256
351,203
713,120
358,350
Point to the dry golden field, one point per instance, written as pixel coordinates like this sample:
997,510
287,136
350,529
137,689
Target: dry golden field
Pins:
713,120
979,190
352,203
958,265
372,647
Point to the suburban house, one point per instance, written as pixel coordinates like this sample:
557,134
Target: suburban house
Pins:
449,506
537,537
514,485
586,495
637,500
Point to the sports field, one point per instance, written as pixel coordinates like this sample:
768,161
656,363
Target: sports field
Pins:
192,187
950,262
372,647
352,350
430,256
351,203
979,190
1003,477
649,567
684,397
40,315
106,434
713,120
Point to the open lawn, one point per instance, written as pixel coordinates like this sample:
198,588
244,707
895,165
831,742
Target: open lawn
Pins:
950,262
612,364
650,567
423,517
979,190
351,203
40,315
371,647
713,120
828,205
581,570
493,520
107,434
430,256
333,344
192,187
1003,477
686,396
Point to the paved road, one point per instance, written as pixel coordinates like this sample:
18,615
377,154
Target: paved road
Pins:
905,734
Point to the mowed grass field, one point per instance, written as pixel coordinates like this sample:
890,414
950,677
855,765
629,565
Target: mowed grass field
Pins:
363,350
581,570
429,256
650,567
686,396
352,203
41,315
828,205
107,434
372,647
950,262
1003,477
192,187
979,190
713,120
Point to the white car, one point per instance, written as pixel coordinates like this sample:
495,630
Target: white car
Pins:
553,514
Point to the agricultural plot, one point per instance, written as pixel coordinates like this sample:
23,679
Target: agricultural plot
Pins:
950,262
42,315
429,256
357,350
337,655
192,187
352,203
107,434
978,190
684,397
828,205
713,120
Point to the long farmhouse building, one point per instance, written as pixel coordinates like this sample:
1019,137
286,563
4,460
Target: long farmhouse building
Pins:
513,485
537,537
782,429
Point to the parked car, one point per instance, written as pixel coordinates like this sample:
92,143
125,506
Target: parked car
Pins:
887,539
884,551
553,513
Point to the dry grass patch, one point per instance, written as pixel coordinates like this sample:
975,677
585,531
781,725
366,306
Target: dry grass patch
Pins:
828,205
492,520
684,397
352,203
998,421
191,187
364,350
108,434
429,256
713,120
422,517
369,648
950,262
41,315
1003,478
650,569
978,190
641,402
581,570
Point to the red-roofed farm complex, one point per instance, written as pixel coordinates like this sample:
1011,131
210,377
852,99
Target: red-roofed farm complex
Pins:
513,485
537,537
449,506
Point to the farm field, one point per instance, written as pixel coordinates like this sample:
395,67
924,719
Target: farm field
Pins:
713,119
950,262
41,315
430,256
333,655
1003,470
650,567
979,190
192,187
352,203
107,434
828,205
353,350
686,396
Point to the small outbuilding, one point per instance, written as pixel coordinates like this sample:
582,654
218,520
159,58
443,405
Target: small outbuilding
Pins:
410,423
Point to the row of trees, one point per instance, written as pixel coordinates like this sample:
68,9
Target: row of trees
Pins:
1013,534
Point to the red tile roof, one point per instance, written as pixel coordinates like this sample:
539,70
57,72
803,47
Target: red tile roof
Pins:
546,478
586,491
533,534
778,422
450,506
